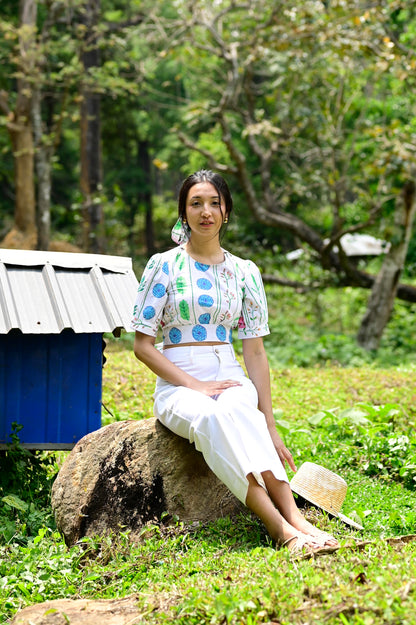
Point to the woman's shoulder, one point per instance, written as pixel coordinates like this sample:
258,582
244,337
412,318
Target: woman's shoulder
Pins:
243,264
168,256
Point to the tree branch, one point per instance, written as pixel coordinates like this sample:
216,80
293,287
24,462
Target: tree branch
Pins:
405,292
213,163
293,284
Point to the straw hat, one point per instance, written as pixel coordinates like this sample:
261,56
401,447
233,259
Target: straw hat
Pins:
322,488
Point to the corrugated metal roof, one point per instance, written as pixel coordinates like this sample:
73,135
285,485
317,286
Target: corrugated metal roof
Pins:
45,292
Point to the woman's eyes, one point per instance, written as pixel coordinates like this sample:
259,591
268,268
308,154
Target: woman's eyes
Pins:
214,204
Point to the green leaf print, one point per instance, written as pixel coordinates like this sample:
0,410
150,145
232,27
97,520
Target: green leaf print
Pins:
184,309
180,259
181,285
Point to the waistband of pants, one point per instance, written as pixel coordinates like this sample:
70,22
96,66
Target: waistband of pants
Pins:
195,350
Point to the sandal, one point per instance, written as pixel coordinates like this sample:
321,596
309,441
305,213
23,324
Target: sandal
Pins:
302,547
323,538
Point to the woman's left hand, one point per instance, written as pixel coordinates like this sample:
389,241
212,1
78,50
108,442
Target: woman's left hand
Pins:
282,451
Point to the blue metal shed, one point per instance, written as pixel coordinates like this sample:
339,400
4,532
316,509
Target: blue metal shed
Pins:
54,309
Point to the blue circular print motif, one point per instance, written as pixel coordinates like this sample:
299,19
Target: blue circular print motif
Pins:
175,335
159,290
165,268
149,312
205,318
205,301
199,333
201,266
204,284
221,333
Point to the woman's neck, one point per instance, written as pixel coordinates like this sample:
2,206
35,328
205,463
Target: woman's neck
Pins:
209,252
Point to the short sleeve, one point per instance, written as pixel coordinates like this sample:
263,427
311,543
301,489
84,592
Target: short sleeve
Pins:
151,296
254,314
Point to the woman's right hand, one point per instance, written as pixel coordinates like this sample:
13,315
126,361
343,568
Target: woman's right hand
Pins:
213,387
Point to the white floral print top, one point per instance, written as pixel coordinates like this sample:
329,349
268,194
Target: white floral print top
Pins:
194,302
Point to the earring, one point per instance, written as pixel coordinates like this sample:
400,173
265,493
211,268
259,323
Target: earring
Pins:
226,220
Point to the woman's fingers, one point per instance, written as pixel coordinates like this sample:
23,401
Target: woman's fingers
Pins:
290,461
216,387
286,456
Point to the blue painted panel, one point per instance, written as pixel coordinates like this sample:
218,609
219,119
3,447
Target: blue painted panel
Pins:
50,384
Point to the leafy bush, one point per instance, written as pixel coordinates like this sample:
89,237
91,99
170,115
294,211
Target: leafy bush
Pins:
364,437
25,485
320,328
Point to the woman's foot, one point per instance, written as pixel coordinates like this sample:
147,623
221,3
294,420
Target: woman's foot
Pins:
282,497
303,546
323,539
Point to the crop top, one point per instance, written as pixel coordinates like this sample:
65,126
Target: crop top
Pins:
195,302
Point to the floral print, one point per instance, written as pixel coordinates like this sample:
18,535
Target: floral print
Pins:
196,302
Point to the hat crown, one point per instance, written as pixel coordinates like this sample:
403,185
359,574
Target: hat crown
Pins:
320,486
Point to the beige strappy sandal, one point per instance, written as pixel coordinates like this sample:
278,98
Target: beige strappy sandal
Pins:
302,547
323,538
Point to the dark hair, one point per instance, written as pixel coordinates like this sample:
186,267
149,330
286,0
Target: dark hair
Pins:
205,175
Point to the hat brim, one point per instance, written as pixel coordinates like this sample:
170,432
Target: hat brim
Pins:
337,515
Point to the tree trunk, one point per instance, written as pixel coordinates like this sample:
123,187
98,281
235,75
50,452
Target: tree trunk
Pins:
381,301
20,126
91,173
43,156
23,149
145,193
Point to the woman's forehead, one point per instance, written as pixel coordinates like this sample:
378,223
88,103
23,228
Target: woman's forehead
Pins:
203,189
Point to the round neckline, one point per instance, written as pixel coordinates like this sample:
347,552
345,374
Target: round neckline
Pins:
225,252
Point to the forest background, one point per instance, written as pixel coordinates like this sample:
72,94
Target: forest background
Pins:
307,109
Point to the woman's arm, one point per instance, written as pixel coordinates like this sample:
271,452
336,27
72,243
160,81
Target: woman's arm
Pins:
146,352
257,365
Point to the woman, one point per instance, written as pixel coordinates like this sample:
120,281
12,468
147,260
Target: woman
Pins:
197,293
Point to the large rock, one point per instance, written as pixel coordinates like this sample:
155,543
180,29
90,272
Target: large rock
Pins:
80,612
131,472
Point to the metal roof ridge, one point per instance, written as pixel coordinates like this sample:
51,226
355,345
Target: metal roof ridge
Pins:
57,301
104,294
7,307
70,260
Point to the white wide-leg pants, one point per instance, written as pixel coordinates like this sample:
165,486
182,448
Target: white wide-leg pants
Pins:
228,429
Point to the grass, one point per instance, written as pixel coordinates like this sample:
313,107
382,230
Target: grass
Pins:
223,573
228,572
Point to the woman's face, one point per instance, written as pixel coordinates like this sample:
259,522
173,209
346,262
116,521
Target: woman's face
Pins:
205,212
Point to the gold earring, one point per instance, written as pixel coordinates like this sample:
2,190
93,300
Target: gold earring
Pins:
184,221
226,220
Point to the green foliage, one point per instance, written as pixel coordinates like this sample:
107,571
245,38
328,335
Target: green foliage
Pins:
25,483
211,574
371,439
319,327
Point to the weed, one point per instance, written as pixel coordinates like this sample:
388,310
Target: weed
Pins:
25,485
366,437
